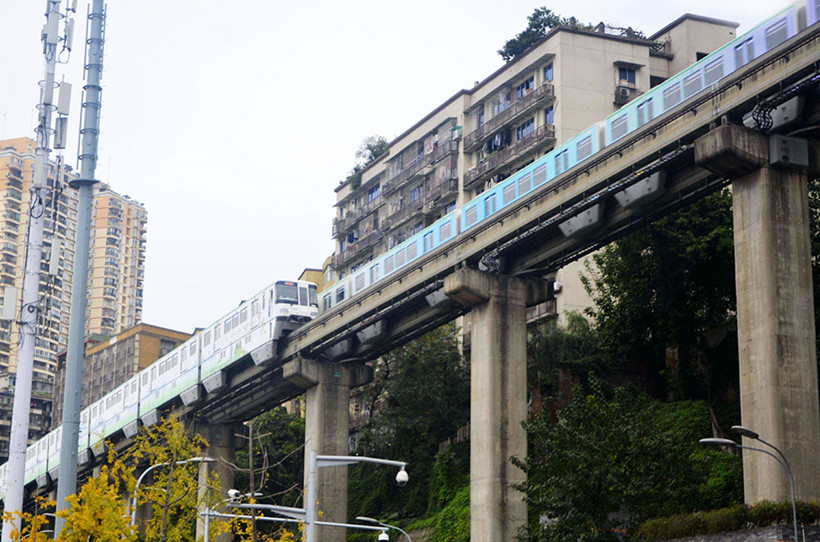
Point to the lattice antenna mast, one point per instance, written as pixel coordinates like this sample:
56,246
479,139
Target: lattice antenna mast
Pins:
89,134
56,48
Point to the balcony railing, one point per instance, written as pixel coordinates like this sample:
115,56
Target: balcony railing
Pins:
403,213
545,132
354,249
340,225
520,106
442,151
439,193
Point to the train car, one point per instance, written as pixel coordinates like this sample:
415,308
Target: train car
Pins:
53,462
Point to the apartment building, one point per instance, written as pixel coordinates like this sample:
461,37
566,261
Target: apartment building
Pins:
117,257
564,83
110,361
117,266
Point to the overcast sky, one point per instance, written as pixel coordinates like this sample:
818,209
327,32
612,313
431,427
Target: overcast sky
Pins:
234,121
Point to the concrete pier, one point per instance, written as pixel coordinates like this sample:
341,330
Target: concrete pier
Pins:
221,448
327,409
498,400
775,311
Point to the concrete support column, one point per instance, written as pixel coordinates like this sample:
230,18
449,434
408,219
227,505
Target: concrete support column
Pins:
221,447
775,312
498,400
327,409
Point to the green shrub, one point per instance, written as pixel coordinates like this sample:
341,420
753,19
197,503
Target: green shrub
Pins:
454,521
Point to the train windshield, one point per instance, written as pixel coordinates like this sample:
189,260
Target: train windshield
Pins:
314,299
287,292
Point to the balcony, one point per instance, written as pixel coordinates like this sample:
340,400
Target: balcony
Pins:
517,108
416,166
439,193
354,249
341,225
543,134
405,212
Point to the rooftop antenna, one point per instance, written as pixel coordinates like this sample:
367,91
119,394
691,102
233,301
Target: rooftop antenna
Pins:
89,135
30,311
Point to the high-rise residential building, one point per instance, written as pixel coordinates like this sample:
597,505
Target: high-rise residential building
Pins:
117,266
569,80
111,361
116,269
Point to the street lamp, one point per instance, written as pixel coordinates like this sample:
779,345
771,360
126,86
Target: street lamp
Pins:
319,461
382,524
783,463
152,467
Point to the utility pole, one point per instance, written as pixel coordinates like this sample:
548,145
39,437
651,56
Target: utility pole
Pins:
30,310
90,130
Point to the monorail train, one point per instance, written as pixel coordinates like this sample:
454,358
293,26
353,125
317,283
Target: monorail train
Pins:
266,317
671,94
285,305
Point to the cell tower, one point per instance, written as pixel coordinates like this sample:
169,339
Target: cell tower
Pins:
56,48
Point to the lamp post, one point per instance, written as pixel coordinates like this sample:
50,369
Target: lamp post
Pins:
783,463
319,461
152,467
382,524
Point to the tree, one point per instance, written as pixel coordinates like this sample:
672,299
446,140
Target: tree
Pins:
668,285
539,23
614,459
98,512
173,490
370,149
425,399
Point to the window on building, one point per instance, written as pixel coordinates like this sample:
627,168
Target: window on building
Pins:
373,193
626,76
524,88
417,193
548,75
417,227
549,115
449,208
479,116
525,129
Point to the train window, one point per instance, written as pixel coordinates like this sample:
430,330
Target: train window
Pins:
524,184
584,148
184,354
445,232
235,321
509,193
359,282
744,52
539,174
620,127
713,72
192,349
287,293
389,265
217,333
227,326
671,96
145,379
644,112
692,84
134,385
340,294
471,216
489,205
303,296
400,258
374,273
313,296
776,34
255,307
428,242
412,251
327,301
174,360
561,162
